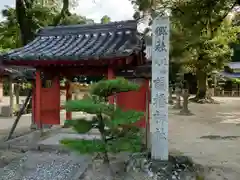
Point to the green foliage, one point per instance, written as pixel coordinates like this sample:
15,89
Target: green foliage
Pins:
201,33
202,42
85,105
38,15
105,88
80,125
105,19
120,117
115,125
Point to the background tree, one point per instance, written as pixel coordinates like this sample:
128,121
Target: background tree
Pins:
199,39
105,19
42,13
28,11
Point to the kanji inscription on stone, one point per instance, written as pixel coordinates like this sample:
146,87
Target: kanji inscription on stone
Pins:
161,61
160,33
161,30
159,116
159,101
160,45
159,83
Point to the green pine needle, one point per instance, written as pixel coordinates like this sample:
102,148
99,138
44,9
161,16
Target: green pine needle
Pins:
106,88
80,125
121,135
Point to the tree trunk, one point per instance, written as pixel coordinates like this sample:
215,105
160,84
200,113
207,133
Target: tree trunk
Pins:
106,162
25,21
201,85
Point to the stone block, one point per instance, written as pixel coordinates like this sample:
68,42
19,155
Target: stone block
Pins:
6,111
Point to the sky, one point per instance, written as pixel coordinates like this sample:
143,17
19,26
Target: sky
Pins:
95,9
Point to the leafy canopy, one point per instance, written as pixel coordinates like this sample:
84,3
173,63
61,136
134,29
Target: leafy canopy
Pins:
201,30
116,126
36,14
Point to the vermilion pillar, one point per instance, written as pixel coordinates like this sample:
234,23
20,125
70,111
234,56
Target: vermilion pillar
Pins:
37,98
136,100
110,75
33,107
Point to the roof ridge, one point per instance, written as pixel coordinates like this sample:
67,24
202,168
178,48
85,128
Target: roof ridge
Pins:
80,28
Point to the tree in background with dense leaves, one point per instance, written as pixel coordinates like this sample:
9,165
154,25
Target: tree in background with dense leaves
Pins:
21,23
35,14
208,35
10,33
200,34
115,125
105,19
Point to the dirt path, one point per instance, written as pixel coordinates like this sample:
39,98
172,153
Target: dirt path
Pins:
211,136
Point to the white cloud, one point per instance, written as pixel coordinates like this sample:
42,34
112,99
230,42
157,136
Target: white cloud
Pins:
116,9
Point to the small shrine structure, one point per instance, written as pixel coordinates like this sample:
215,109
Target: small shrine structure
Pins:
68,51
14,76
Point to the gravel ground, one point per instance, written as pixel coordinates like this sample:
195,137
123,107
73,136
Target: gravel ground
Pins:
210,137
45,166
8,156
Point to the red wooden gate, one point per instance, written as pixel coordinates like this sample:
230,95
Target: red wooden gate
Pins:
49,103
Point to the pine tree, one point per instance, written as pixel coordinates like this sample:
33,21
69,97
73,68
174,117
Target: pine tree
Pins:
117,129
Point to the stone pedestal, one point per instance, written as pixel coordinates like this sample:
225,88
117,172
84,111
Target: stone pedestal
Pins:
178,99
185,110
6,111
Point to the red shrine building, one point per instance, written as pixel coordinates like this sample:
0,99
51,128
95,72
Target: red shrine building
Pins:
68,51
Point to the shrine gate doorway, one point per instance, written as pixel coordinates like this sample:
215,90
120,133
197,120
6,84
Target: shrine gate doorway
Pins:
66,51
46,101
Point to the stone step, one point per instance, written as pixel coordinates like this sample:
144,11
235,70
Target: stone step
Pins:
46,166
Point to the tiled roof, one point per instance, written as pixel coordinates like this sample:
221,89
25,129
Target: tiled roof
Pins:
230,75
234,65
81,42
18,72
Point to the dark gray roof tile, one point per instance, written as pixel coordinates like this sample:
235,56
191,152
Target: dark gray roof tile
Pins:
81,42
